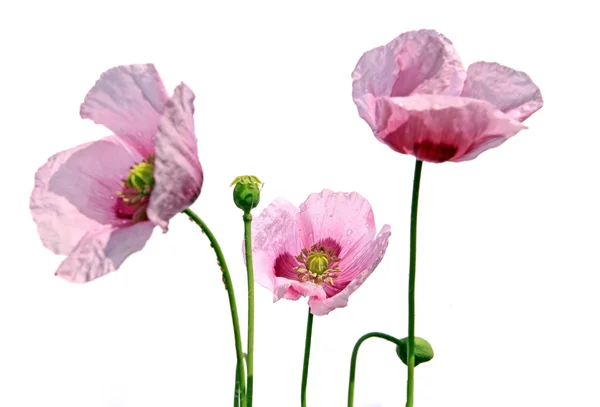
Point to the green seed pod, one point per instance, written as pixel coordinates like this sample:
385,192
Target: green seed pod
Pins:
423,351
317,263
246,194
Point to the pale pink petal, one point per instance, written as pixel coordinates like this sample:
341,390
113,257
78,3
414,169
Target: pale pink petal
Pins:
283,289
178,174
416,62
512,92
103,250
480,146
441,128
367,109
346,218
361,267
129,101
263,267
75,191
294,290
275,235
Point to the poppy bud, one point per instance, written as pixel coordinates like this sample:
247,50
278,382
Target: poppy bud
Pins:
423,351
246,193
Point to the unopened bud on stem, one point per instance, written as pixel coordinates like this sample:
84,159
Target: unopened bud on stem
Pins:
246,193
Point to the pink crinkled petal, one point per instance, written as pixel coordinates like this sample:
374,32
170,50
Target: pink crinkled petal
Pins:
347,218
275,233
128,100
367,109
416,62
362,266
480,146
512,92
293,290
103,250
178,174
441,128
75,191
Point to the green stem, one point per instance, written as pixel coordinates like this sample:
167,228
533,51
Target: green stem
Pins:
309,324
232,305
250,268
355,356
410,382
236,393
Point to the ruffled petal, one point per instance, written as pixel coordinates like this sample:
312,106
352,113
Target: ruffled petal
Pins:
416,62
103,250
346,218
75,191
362,266
275,235
512,92
178,174
128,100
479,146
441,128
294,290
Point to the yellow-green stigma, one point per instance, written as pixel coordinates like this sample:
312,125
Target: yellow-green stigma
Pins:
141,176
136,191
318,265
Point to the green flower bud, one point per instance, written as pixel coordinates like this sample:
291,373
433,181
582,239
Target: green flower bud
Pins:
423,351
246,193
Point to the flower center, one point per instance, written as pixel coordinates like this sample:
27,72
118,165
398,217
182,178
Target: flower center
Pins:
135,192
141,176
318,265
317,262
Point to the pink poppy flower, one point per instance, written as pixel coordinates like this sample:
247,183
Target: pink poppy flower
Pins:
325,250
418,99
97,203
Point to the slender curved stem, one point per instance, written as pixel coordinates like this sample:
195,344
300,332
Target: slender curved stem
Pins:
309,323
410,351
232,305
355,356
250,269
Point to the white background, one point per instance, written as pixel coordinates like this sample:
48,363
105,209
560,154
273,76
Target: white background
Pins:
507,275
